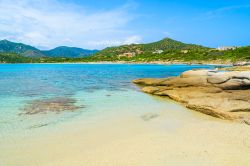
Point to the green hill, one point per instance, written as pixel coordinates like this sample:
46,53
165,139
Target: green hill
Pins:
19,48
159,47
172,51
69,52
169,44
15,58
32,52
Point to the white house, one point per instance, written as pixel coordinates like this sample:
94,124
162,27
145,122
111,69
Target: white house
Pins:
158,52
224,48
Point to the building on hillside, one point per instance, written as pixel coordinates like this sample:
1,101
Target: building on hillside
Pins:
158,52
138,52
128,55
184,51
224,48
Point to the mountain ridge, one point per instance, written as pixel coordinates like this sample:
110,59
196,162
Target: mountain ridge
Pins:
7,46
63,51
25,50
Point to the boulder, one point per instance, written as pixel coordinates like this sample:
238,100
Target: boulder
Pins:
235,84
197,73
215,79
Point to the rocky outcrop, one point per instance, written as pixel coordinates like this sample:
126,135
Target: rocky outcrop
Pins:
237,68
225,95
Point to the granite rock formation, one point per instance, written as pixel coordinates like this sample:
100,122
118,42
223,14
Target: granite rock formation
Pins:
224,95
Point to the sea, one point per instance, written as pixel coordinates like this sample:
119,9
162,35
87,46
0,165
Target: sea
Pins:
40,98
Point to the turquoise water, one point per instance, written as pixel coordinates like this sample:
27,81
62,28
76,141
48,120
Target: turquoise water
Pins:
95,89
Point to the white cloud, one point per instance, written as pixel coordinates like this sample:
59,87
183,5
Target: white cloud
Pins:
49,23
133,40
114,42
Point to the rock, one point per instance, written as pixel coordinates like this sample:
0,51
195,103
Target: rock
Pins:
174,81
235,84
150,89
197,73
149,116
217,79
240,75
237,68
186,82
148,81
224,95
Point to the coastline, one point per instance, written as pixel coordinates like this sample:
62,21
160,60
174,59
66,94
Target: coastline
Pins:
137,63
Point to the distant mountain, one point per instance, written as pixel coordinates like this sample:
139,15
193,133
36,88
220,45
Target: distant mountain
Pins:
19,48
166,44
69,52
32,52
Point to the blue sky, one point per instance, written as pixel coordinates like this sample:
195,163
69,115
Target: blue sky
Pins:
97,24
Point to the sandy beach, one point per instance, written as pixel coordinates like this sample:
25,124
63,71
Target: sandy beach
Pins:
175,136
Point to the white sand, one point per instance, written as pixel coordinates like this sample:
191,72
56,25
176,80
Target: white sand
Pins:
127,140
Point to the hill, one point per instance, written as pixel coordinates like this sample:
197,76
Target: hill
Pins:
159,47
166,50
32,52
15,58
69,52
19,48
171,51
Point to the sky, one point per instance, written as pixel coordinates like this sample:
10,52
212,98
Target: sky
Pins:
96,24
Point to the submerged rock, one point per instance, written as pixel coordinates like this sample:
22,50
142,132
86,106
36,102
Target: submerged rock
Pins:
38,126
149,116
56,105
225,95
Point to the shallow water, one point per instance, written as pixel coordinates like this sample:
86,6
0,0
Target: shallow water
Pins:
97,89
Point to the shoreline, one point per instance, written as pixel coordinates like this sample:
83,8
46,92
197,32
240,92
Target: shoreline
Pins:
126,139
133,63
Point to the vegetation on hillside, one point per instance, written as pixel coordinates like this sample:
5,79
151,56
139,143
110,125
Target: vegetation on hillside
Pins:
14,58
70,52
166,44
32,52
19,48
166,50
196,55
170,50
